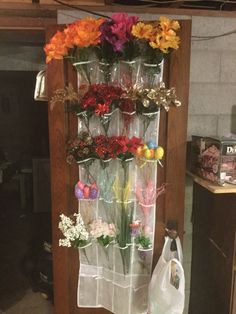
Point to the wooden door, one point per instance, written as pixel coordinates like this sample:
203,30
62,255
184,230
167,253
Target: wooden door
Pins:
173,132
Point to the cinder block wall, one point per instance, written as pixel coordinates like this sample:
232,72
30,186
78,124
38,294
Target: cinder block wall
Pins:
212,99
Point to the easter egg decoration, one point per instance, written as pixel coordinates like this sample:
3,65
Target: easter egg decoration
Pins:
80,185
147,154
86,191
78,192
152,153
151,144
159,153
93,194
139,151
145,147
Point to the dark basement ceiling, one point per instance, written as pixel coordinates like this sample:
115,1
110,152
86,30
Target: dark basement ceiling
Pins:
188,4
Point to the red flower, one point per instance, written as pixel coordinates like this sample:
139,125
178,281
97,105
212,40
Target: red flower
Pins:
101,151
127,105
88,102
101,109
133,144
100,139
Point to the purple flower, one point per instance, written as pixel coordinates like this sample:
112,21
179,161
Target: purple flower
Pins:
118,31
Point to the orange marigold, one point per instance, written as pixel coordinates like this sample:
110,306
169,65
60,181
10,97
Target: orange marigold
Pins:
83,33
56,49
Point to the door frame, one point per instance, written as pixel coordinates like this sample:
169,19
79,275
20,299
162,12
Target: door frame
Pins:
173,134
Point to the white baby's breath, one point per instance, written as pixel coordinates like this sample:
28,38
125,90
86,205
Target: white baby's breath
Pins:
72,230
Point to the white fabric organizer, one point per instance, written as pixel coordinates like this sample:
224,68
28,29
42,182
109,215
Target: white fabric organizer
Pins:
112,277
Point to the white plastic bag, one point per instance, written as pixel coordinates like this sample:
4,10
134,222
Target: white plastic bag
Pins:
167,285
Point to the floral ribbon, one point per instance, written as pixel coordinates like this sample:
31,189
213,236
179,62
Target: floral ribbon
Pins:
160,95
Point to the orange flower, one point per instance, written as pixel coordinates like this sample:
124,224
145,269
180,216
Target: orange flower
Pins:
142,30
84,33
56,49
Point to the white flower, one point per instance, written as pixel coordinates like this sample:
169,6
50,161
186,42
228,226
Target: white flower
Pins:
72,230
64,242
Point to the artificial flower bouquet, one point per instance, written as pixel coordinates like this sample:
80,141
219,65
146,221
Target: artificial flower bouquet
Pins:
155,39
101,147
100,100
105,233
110,40
81,149
74,231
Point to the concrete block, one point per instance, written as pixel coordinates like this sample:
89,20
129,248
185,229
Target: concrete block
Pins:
202,125
205,66
213,44
187,296
213,26
226,125
211,98
188,181
187,272
228,67
229,41
187,247
188,227
206,26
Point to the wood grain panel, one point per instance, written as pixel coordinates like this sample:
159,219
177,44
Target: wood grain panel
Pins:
177,129
62,257
75,2
30,23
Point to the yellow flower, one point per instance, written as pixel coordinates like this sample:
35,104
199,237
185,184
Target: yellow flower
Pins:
142,30
164,43
167,24
165,37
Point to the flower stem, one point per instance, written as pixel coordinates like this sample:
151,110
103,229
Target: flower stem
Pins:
86,256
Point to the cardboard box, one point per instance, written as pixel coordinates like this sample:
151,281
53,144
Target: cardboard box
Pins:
214,159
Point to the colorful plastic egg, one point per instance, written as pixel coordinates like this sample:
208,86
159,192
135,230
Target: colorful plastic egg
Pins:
151,144
93,193
80,185
152,153
139,151
147,154
86,191
159,153
78,192
94,186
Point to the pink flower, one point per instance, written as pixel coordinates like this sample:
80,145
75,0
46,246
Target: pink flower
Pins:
118,31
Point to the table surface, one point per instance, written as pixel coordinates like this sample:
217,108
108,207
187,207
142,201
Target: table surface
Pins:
213,187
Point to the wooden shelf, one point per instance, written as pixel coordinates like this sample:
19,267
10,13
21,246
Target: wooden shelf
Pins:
212,187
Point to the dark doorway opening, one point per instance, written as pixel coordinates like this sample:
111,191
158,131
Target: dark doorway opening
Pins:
25,200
